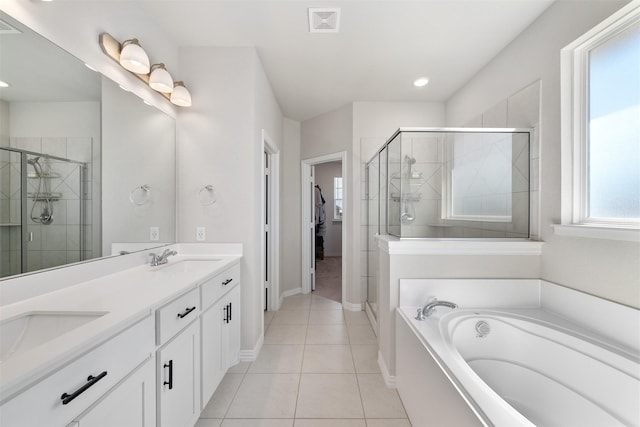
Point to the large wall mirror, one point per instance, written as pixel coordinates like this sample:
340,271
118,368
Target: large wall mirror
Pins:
84,165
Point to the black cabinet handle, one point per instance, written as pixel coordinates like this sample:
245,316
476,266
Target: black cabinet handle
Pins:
226,282
229,311
91,380
226,314
170,382
186,313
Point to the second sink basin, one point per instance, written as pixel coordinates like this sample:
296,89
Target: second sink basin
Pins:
186,265
33,329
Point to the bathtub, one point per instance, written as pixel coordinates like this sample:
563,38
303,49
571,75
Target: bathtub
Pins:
513,367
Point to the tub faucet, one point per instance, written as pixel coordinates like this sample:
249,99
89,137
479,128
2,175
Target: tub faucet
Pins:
162,258
430,308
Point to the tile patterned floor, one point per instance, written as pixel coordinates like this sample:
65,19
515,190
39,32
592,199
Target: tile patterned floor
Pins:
318,368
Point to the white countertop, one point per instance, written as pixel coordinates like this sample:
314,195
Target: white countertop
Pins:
126,296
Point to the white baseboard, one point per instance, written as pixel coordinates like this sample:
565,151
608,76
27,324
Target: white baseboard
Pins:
352,307
390,380
291,292
251,355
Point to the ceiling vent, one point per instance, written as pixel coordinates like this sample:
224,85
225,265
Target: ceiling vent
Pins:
6,28
324,20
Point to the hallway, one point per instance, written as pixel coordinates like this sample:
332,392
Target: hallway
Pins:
329,278
318,367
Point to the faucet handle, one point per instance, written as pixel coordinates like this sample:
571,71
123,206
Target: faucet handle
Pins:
420,315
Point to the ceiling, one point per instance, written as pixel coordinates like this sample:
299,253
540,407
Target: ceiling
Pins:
381,48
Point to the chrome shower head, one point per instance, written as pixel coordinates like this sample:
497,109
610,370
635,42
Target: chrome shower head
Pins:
33,160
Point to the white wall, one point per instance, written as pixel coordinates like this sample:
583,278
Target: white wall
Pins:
220,144
291,261
610,269
324,174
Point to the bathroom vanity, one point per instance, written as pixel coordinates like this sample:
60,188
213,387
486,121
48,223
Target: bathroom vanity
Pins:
141,346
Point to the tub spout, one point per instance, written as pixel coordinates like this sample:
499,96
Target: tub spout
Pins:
430,308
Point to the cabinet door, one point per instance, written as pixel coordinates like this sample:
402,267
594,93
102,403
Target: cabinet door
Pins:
130,404
178,364
231,330
211,331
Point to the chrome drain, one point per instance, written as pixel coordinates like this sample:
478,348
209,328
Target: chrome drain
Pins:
483,329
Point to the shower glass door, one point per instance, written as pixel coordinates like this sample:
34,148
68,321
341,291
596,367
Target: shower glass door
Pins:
41,211
11,183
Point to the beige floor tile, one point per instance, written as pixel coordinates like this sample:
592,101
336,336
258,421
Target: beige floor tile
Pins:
356,317
219,404
297,302
329,423
268,317
239,368
388,423
361,334
258,423
378,400
329,396
326,317
321,303
208,422
285,334
278,359
365,358
327,334
290,317
327,359
265,396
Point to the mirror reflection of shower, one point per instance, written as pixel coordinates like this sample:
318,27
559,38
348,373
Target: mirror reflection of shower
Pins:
42,208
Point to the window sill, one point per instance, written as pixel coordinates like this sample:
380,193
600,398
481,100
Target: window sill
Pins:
597,232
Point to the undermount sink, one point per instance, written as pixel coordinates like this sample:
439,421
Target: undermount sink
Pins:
186,265
33,329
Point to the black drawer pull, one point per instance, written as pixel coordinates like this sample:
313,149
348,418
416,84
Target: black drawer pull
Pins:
229,311
226,282
186,313
170,382
91,380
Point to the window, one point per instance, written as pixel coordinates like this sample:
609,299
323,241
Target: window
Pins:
337,198
601,125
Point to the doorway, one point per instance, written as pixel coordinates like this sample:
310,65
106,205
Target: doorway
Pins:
270,220
322,264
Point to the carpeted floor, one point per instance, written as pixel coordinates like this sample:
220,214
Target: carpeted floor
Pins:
329,278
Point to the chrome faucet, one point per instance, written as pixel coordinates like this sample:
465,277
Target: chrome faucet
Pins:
430,308
162,258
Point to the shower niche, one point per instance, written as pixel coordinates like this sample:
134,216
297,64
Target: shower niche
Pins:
451,183
42,211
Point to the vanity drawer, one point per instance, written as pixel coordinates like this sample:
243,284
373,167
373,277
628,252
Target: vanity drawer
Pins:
67,392
218,285
176,315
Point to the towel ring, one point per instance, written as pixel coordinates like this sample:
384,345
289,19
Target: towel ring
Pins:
207,195
140,195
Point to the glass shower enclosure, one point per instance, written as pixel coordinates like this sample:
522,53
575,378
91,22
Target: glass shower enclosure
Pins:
41,211
447,183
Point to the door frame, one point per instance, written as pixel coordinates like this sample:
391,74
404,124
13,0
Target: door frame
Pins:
307,196
268,146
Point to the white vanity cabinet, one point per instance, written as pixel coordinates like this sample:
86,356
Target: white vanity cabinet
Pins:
178,362
220,328
61,397
131,403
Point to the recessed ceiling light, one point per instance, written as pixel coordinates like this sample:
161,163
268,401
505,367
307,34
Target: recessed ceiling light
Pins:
4,84
421,82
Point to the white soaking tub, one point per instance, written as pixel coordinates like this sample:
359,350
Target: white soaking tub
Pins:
516,367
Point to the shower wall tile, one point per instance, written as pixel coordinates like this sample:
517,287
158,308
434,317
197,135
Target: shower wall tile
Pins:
28,144
72,211
53,258
73,239
73,256
54,237
34,260
59,212
524,107
55,147
496,116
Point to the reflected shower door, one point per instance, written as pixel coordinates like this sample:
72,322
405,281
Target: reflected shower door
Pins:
11,183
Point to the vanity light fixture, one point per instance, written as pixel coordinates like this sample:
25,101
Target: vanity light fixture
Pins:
156,76
133,57
180,95
421,82
160,79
